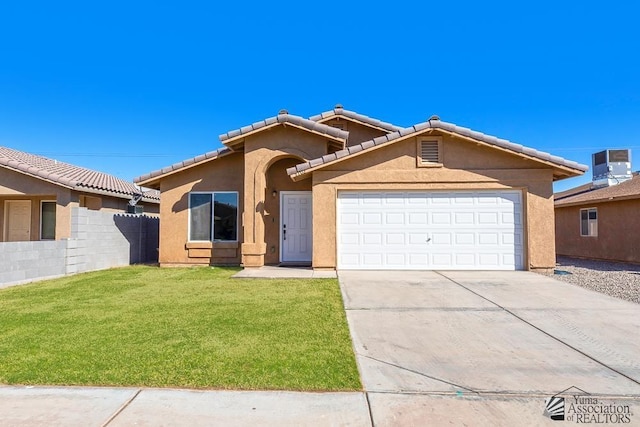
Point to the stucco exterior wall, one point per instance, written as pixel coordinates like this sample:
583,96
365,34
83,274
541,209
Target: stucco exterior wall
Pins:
223,174
261,151
618,230
278,181
17,186
357,133
465,166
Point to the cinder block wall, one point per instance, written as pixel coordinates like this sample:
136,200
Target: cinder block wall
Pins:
26,261
99,240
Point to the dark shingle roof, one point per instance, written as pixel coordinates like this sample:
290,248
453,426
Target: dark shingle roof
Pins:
298,121
338,111
67,175
211,155
435,124
629,189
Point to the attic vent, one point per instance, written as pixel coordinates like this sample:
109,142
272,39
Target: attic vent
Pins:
430,152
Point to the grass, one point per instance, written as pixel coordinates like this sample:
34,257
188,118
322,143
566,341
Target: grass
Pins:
191,327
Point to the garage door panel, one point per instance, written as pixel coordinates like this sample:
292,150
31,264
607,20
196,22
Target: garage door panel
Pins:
396,239
429,230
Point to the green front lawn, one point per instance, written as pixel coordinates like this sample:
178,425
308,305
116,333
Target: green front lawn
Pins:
189,327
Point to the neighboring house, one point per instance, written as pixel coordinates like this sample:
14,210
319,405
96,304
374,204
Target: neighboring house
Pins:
343,190
37,194
600,219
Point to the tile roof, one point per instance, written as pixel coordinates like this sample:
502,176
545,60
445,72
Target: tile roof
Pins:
339,111
434,123
69,176
284,117
211,155
629,189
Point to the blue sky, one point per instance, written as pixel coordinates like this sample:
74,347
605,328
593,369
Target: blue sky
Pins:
130,87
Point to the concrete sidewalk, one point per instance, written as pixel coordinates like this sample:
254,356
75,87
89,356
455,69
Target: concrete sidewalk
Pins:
113,407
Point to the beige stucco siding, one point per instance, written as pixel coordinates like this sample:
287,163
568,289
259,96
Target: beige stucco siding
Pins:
261,152
465,166
357,133
18,186
223,174
618,228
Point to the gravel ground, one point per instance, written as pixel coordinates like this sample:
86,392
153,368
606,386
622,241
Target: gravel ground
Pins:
612,278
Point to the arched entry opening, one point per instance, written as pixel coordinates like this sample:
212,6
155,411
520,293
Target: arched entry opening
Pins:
280,187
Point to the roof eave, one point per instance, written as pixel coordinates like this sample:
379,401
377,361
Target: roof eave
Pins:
566,171
71,185
237,140
596,201
153,182
351,119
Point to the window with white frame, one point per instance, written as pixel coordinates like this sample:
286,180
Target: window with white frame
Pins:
47,220
589,222
213,216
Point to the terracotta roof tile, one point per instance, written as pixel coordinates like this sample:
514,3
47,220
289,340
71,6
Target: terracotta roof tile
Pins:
67,175
587,193
310,125
339,111
184,164
438,124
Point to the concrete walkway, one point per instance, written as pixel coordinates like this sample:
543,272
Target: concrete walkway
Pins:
486,348
114,407
433,348
274,272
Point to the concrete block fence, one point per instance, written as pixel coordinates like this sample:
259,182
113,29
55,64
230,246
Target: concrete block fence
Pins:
99,240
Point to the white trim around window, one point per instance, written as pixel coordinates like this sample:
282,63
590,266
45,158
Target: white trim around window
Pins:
589,222
213,232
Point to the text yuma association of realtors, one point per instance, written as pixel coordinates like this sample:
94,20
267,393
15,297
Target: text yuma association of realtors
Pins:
583,409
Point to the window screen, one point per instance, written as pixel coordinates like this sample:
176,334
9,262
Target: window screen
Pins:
48,220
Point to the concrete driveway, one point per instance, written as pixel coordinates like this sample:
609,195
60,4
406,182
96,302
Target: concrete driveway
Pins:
487,348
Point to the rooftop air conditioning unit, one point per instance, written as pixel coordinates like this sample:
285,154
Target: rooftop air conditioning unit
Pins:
611,167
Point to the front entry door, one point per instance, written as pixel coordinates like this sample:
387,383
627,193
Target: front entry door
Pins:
295,226
17,221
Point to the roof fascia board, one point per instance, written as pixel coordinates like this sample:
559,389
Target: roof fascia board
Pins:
150,181
343,117
236,139
569,171
353,155
51,181
596,201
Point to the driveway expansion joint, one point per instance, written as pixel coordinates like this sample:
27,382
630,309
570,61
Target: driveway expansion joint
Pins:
121,408
418,373
506,310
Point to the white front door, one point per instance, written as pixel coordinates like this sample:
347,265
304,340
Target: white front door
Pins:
17,221
295,226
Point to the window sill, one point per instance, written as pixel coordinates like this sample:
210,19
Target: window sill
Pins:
199,245
210,245
225,245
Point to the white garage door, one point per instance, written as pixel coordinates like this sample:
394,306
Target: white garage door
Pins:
430,230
